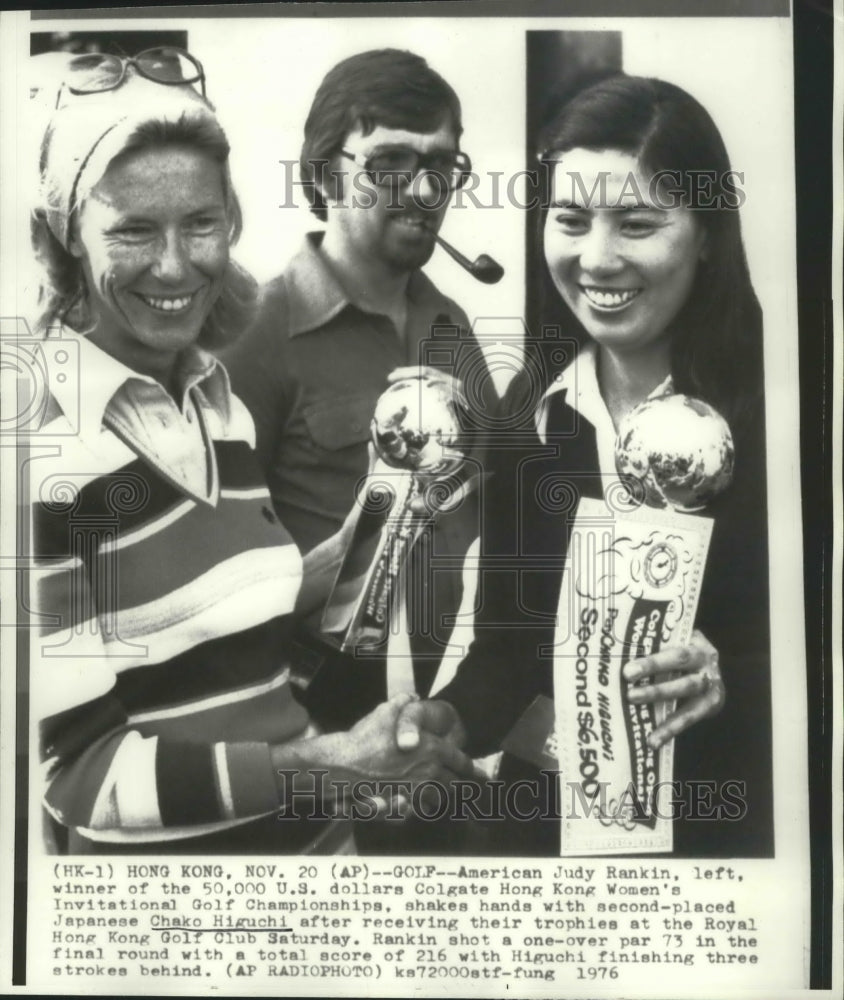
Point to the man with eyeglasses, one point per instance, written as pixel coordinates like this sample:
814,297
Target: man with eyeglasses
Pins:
379,163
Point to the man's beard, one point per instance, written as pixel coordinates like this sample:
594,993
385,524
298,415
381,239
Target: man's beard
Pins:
408,254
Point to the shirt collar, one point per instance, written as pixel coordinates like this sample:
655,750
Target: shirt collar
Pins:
100,376
316,296
198,368
580,383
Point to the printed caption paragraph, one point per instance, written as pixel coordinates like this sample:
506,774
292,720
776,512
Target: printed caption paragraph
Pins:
559,922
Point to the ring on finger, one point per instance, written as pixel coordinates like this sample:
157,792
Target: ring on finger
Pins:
707,679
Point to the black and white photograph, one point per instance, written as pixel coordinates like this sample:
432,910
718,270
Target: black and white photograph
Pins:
419,456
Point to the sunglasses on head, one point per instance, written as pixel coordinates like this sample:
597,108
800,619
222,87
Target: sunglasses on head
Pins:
97,72
397,165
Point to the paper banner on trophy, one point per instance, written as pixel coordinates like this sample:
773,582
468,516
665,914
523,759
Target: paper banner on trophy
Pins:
630,588
380,503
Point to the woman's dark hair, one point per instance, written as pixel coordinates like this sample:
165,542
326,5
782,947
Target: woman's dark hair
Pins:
63,294
717,335
385,87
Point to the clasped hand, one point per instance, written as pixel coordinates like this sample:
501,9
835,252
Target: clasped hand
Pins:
403,742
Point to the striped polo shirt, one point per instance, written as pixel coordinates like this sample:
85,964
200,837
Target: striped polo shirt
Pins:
162,578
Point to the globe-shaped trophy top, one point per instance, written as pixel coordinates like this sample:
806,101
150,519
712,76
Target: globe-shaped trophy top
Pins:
679,448
416,426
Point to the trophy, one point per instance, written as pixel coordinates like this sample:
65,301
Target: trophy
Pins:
680,449
633,573
417,434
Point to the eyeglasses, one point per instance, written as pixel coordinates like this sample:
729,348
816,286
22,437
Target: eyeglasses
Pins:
396,165
96,72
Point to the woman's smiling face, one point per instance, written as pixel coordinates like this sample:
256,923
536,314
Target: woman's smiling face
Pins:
624,265
153,238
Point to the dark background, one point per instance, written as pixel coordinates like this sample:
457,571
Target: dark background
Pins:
813,147
559,64
118,43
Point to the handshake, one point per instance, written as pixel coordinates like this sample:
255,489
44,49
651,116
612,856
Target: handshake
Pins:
393,758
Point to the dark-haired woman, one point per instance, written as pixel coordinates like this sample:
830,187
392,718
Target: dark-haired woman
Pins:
649,277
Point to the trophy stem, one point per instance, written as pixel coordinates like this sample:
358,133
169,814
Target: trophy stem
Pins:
370,624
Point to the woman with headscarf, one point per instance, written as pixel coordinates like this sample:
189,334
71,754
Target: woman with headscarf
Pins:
164,579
